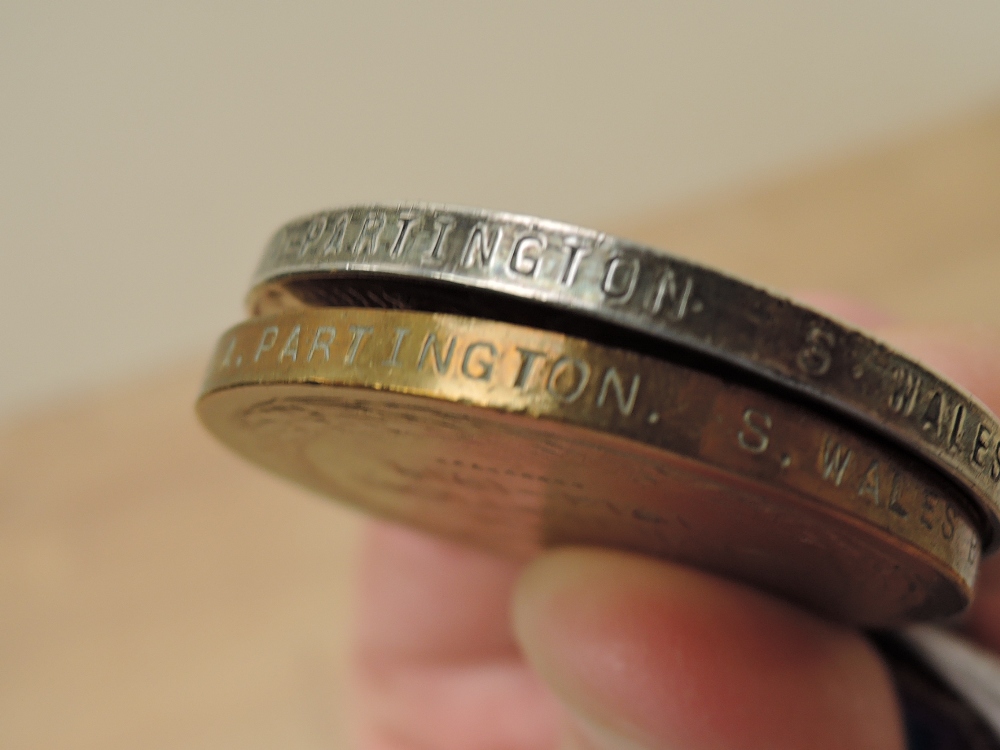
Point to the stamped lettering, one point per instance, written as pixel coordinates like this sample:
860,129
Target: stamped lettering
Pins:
759,424
904,397
671,295
479,248
895,493
479,360
833,460
981,447
928,510
358,336
227,358
335,242
612,380
621,275
575,253
567,379
310,239
371,229
267,338
948,525
956,427
291,347
393,360
431,346
528,358
816,357
931,420
406,220
525,258
870,484
442,225
324,336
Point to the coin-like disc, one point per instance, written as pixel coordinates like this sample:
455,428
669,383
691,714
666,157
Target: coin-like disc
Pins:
514,439
653,293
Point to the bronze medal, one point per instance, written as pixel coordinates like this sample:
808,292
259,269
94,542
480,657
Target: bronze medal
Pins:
515,439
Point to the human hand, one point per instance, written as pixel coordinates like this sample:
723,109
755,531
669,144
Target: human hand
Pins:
590,648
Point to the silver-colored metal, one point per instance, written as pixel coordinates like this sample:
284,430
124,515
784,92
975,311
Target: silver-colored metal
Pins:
659,295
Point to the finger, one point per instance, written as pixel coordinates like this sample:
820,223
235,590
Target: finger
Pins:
436,663
658,655
422,598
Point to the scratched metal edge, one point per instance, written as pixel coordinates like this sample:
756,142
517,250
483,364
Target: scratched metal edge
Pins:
850,404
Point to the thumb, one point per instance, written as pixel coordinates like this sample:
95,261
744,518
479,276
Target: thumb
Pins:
647,654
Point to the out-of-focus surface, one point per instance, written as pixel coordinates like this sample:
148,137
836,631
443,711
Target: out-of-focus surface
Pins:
147,150
159,593
912,227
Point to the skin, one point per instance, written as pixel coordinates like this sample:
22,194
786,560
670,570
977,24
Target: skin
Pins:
589,648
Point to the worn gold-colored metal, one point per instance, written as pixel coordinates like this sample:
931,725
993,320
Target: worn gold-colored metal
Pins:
531,270
514,439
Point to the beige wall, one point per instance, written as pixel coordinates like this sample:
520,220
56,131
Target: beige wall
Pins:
147,150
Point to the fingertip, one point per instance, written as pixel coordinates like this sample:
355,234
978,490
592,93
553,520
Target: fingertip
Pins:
420,597
661,655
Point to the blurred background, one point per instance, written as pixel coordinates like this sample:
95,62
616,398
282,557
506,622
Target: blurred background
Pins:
147,152
155,592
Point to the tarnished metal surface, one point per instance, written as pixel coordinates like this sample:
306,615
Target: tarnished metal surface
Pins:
514,439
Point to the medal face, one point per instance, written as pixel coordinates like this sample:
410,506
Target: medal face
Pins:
565,270
515,439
